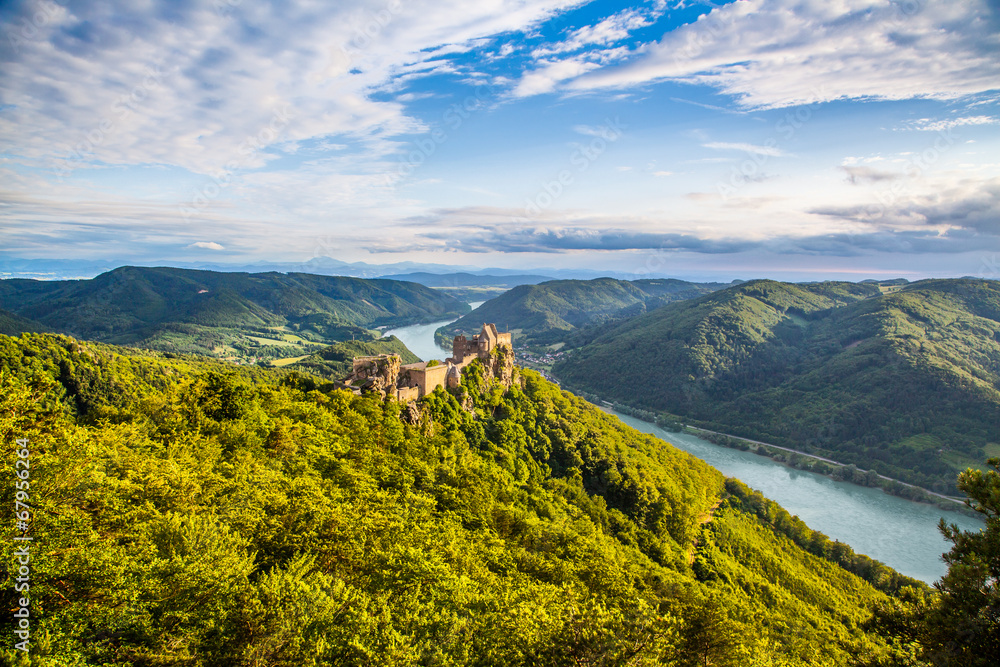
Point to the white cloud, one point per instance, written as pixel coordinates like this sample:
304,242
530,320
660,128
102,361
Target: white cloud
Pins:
601,131
185,85
927,124
961,218
753,149
776,53
710,160
857,174
610,30
553,71
207,245
955,204
546,78
170,84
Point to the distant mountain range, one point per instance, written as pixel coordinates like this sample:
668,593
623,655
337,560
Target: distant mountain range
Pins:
238,315
73,269
469,279
902,378
56,269
546,313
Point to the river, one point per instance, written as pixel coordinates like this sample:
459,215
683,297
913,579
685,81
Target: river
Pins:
419,338
898,532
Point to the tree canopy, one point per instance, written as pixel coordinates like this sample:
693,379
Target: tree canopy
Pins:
187,512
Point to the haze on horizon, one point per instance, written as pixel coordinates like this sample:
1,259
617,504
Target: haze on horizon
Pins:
798,139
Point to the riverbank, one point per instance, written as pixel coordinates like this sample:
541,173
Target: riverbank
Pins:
835,470
421,341
792,458
849,468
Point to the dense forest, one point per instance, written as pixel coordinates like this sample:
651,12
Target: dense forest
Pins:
545,313
188,512
248,317
335,362
12,325
904,382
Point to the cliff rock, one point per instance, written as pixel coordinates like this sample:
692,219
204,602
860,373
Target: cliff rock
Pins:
378,375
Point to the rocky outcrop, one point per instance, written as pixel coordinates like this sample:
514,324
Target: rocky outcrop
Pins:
376,374
499,365
411,413
503,365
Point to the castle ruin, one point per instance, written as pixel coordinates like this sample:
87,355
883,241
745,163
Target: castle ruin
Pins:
463,351
386,374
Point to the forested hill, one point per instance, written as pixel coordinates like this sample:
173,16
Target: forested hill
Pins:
11,324
903,382
337,361
544,313
189,512
184,310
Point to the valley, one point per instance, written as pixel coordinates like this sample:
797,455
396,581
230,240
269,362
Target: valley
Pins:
545,313
540,494
899,379
899,532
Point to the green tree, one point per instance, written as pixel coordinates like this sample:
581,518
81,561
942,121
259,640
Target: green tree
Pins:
710,636
963,628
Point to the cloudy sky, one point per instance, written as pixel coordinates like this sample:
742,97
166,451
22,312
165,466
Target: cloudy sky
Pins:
784,138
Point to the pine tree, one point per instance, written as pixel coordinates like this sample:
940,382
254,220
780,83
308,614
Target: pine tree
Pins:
963,628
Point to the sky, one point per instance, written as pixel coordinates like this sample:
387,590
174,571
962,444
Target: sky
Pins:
792,139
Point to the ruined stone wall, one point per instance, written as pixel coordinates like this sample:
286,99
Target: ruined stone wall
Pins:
433,378
465,361
407,394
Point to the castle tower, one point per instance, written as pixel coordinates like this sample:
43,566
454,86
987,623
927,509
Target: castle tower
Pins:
458,349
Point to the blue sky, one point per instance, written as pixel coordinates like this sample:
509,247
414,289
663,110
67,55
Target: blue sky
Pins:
795,139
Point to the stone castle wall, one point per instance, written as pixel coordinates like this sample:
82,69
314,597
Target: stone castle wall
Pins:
426,378
407,394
